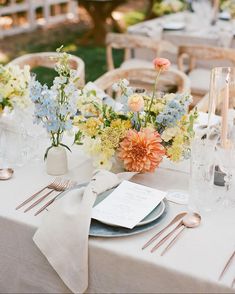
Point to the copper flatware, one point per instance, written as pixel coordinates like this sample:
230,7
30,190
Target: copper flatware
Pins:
175,220
49,186
227,265
72,184
233,283
57,187
189,221
6,174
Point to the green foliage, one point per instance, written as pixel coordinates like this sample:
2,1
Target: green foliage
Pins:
133,17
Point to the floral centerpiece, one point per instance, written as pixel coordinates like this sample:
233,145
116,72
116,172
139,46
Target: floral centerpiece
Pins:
56,106
140,130
229,5
162,7
14,86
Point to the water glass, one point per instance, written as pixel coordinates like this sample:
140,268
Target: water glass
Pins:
222,105
202,170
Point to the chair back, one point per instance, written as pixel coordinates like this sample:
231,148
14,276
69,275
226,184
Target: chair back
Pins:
172,80
46,59
129,42
196,53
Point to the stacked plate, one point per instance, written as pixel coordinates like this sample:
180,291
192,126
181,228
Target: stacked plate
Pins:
99,229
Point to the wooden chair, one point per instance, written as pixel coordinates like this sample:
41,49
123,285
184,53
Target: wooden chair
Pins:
44,59
203,104
130,42
200,77
172,80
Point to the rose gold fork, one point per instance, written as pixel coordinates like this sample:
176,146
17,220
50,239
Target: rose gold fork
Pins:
70,185
57,187
233,283
227,265
50,186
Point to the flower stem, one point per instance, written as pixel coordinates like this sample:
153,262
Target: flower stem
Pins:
153,96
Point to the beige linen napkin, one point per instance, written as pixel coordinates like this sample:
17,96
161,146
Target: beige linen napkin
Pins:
63,234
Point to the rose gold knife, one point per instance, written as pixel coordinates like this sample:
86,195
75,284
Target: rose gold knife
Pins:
175,219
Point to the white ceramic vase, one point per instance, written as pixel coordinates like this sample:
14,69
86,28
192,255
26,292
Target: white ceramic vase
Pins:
57,162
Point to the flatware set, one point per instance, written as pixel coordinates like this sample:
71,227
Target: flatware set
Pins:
58,185
186,220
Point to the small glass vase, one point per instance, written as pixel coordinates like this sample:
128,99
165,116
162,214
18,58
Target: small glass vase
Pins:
56,161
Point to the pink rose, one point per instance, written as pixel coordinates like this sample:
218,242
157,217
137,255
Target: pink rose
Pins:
136,102
162,64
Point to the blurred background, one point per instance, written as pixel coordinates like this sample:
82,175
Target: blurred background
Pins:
28,26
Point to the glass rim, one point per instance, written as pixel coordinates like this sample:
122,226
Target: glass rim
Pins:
222,68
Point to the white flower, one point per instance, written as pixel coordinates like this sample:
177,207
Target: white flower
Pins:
92,146
169,133
102,162
169,97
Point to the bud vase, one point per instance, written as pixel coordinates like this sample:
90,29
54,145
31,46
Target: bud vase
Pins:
57,162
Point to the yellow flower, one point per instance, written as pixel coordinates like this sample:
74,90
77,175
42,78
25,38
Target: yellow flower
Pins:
175,152
120,124
90,127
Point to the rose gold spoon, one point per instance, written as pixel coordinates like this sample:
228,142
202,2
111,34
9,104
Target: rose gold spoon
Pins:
6,173
189,221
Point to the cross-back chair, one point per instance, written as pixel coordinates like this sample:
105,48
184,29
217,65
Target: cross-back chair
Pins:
46,59
129,43
172,80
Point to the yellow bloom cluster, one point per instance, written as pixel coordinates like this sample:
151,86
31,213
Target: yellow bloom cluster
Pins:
90,127
177,148
180,137
101,142
14,86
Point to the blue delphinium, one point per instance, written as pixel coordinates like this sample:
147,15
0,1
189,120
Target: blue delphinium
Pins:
174,110
55,107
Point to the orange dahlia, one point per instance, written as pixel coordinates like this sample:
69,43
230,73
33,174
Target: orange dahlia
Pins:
141,151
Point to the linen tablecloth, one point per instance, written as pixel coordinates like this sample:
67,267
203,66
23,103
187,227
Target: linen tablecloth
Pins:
199,35
116,265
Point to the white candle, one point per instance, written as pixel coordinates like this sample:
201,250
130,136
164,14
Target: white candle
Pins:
225,106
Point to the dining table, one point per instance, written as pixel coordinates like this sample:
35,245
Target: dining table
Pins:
116,264
184,28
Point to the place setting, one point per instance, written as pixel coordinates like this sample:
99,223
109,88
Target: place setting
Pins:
117,153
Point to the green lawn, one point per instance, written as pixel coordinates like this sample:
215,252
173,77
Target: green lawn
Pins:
94,58
68,35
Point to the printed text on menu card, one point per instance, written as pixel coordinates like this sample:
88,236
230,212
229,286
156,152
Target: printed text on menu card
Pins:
127,205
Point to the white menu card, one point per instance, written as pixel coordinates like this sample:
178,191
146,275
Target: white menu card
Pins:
127,205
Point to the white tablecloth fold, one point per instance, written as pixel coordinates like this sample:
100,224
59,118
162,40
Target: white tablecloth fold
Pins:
63,234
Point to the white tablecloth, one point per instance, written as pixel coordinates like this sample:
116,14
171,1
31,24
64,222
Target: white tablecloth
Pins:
116,265
199,35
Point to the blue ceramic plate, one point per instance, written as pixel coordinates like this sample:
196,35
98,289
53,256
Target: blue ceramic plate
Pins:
98,229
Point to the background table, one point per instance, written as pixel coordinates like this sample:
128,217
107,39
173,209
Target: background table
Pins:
115,265
199,35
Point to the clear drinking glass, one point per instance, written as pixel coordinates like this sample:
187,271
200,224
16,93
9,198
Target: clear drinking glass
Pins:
202,167
222,106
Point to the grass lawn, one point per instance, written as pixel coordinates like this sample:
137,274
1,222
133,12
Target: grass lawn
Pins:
68,35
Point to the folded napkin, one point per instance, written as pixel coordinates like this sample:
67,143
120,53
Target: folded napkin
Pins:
63,234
